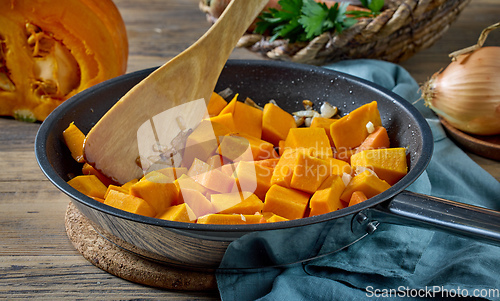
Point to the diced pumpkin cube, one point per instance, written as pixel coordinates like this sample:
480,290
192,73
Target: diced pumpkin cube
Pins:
338,167
235,148
158,190
367,182
215,104
117,188
310,138
129,203
197,202
286,202
309,172
247,119
229,109
236,202
89,185
325,123
229,169
88,169
216,180
243,147
270,217
298,169
276,123
283,171
327,198
357,197
198,167
254,178
186,182
378,139
74,139
350,131
388,163
179,213
216,161
203,141
227,120
230,219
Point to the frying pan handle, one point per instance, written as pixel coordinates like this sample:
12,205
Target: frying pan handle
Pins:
414,209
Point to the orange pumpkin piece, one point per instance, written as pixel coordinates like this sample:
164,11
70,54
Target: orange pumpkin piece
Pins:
350,131
327,198
286,202
313,138
325,123
243,147
197,202
74,139
247,119
157,189
276,123
254,178
215,180
281,147
129,203
338,167
117,188
300,170
229,108
203,141
230,219
226,120
377,139
88,169
270,163
388,163
270,217
283,171
236,202
186,182
357,197
198,167
179,213
49,55
89,185
215,104
309,172
367,182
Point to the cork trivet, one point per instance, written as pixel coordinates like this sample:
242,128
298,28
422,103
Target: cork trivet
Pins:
110,258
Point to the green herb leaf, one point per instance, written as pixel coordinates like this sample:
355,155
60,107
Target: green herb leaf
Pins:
373,5
303,20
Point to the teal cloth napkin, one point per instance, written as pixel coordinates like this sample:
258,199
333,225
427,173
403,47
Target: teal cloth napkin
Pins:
395,261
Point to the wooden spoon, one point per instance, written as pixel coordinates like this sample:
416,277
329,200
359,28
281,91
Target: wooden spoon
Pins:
169,101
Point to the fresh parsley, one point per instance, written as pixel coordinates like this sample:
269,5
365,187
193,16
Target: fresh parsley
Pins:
303,20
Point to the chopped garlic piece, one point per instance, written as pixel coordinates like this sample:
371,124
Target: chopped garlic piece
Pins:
370,127
346,178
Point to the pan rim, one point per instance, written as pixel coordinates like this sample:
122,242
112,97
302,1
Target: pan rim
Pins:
417,169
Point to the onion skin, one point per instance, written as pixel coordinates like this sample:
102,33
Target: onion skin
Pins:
467,92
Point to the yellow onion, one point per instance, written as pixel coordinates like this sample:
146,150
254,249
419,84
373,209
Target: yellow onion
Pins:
467,93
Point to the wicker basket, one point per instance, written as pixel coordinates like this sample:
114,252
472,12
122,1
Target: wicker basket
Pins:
402,29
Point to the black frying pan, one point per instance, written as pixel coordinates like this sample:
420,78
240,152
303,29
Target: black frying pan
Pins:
203,246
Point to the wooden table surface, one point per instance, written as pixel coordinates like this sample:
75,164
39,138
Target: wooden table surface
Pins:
36,257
